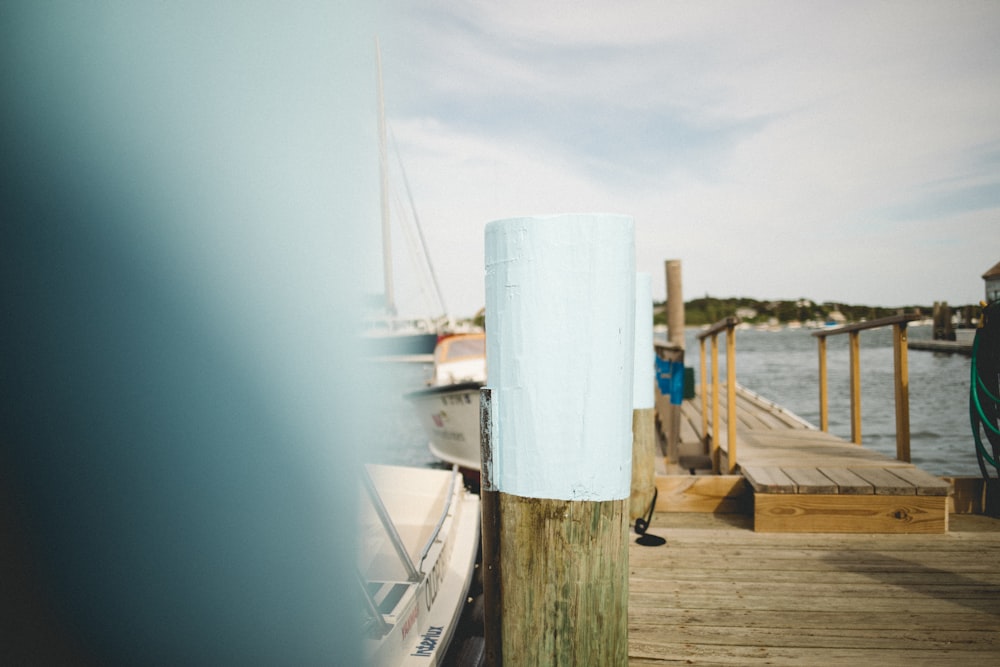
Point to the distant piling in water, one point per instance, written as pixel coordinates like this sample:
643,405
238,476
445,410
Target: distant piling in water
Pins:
560,291
943,327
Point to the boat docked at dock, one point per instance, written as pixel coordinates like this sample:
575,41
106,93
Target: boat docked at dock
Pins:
417,552
448,408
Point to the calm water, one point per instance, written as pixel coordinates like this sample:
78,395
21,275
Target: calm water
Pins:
396,434
782,366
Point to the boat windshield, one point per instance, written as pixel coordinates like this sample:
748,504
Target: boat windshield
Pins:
462,347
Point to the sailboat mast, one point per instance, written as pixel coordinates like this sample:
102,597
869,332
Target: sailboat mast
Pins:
420,235
383,160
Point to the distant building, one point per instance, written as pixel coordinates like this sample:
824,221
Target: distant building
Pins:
992,278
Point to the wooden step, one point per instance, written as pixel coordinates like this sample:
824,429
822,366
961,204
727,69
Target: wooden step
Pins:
890,499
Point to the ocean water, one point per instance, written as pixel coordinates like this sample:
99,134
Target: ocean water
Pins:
396,436
782,366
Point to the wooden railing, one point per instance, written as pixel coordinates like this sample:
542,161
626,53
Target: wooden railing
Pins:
901,376
729,326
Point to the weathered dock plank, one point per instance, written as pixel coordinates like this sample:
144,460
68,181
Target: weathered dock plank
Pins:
847,481
811,480
885,483
769,480
720,593
924,483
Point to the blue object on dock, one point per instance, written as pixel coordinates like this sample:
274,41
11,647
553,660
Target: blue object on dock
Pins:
670,379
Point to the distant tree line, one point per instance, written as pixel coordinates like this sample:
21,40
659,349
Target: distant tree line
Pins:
707,310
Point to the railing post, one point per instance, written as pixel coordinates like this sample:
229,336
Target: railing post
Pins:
902,383
855,386
731,394
715,403
824,406
901,374
704,396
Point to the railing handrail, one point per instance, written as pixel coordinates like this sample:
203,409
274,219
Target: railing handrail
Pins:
900,377
724,323
868,324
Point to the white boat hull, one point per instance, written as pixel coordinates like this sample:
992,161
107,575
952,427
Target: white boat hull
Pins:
449,415
441,538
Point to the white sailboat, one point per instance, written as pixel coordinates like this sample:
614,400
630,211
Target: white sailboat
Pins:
386,334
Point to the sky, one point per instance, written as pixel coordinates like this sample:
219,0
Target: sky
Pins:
838,151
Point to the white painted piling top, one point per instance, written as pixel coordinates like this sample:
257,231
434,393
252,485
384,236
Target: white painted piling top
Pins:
560,304
644,374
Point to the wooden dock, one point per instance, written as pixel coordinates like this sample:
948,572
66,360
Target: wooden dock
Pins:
952,346
795,478
719,593
816,551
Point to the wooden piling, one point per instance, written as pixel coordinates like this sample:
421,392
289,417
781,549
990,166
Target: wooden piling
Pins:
565,581
557,439
643,462
675,336
555,581
675,303
489,504
643,404
943,327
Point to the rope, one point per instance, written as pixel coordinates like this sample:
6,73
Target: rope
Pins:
985,374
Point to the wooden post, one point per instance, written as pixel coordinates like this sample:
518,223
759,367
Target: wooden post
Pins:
855,346
731,396
901,374
560,436
489,505
715,403
704,396
643,403
824,405
675,303
943,328
675,336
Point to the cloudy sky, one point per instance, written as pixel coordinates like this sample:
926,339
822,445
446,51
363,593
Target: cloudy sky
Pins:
843,151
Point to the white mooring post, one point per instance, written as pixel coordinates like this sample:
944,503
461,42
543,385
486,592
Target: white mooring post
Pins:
643,402
560,303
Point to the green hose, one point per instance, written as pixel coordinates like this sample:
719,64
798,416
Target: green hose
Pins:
977,413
